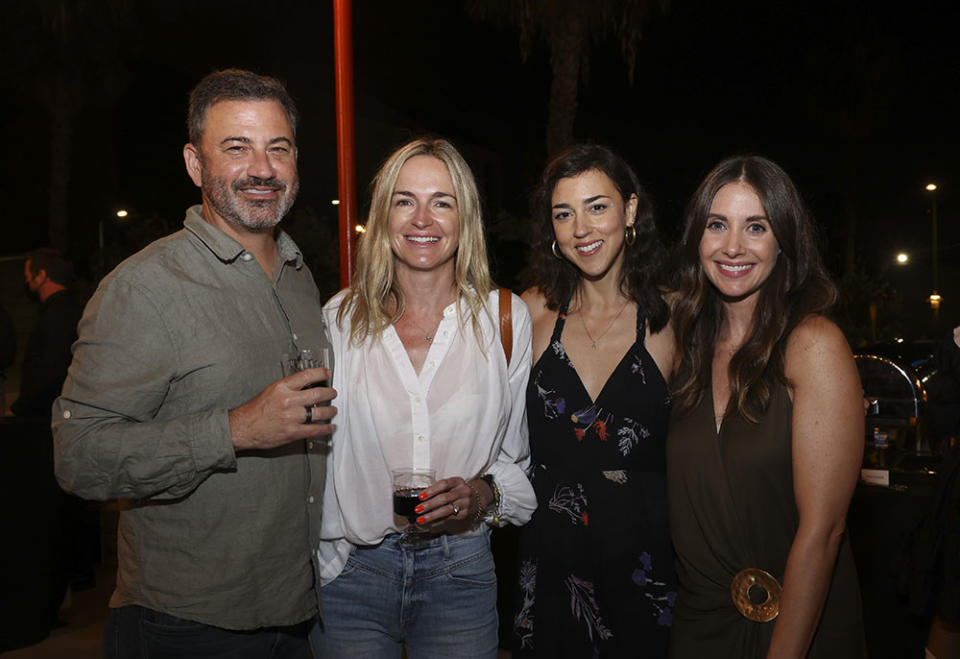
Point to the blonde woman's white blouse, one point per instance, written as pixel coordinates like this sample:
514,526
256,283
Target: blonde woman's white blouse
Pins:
463,415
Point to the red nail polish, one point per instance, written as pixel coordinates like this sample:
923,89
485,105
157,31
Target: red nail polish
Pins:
418,509
421,520
422,496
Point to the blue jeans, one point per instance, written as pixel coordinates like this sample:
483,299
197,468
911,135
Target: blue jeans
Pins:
135,632
439,600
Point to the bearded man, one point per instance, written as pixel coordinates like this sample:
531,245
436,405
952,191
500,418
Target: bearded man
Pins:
174,401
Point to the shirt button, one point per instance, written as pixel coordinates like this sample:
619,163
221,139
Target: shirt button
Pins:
66,414
295,337
418,399
445,332
247,256
432,362
310,499
420,438
310,446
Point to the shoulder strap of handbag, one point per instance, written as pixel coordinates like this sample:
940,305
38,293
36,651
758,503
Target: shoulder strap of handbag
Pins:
506,322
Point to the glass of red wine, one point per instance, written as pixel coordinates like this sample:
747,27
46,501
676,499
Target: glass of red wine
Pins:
408,483
301,360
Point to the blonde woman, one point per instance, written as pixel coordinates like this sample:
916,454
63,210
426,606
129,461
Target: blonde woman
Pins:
424,383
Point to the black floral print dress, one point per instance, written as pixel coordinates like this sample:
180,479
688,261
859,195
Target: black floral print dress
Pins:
596,576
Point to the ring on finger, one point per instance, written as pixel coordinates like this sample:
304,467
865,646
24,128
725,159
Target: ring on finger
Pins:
456,509
309,414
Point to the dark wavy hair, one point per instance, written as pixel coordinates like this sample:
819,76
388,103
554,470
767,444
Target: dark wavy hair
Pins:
558,279
798,286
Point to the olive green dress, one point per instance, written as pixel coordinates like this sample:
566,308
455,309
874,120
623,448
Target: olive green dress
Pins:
732,507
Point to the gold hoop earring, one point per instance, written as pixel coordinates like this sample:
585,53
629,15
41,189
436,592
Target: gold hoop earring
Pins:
630,234
556,252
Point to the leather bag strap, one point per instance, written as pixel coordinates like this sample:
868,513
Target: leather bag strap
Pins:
506,322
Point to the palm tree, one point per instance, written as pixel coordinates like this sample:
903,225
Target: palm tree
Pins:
848,92
569,27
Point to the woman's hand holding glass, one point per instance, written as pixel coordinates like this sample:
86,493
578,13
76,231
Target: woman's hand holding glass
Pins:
453,505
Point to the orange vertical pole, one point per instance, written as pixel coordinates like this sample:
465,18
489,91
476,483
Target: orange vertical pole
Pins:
346,168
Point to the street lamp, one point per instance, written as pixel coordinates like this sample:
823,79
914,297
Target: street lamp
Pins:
902,258
121,214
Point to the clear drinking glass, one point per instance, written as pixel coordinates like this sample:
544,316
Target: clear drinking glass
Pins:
408,483
294,362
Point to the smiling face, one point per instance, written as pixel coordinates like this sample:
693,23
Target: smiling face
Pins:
424,217
589,220
738,250
246,164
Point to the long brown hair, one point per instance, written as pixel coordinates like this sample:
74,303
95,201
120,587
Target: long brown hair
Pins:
798,286
558,279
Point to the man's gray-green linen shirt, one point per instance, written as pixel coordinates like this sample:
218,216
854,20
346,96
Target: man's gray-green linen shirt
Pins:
176,336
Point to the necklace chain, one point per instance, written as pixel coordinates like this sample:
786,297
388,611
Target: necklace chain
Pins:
427,337
595,341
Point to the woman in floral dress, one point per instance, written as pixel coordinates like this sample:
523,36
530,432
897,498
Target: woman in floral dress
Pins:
596,567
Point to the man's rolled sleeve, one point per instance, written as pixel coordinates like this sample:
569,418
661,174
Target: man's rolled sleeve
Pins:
110,439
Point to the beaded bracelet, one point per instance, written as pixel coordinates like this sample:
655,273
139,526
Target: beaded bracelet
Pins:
494,514
476,495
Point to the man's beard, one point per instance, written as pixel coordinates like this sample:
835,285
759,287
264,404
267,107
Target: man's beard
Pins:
252,214
34,295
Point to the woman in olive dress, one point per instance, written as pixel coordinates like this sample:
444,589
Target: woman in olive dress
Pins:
766,435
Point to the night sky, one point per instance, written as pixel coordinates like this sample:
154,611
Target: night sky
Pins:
857,101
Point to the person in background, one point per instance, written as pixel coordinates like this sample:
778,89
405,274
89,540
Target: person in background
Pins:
47,276
929,575
423,383
767,431
943,392
596,574
47,279
175,402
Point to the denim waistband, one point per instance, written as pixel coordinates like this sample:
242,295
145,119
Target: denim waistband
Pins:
419,541
415,541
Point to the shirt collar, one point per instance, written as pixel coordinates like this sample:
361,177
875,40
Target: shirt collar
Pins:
227,249
288,249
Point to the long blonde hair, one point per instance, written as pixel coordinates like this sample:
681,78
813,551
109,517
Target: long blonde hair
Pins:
369,299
